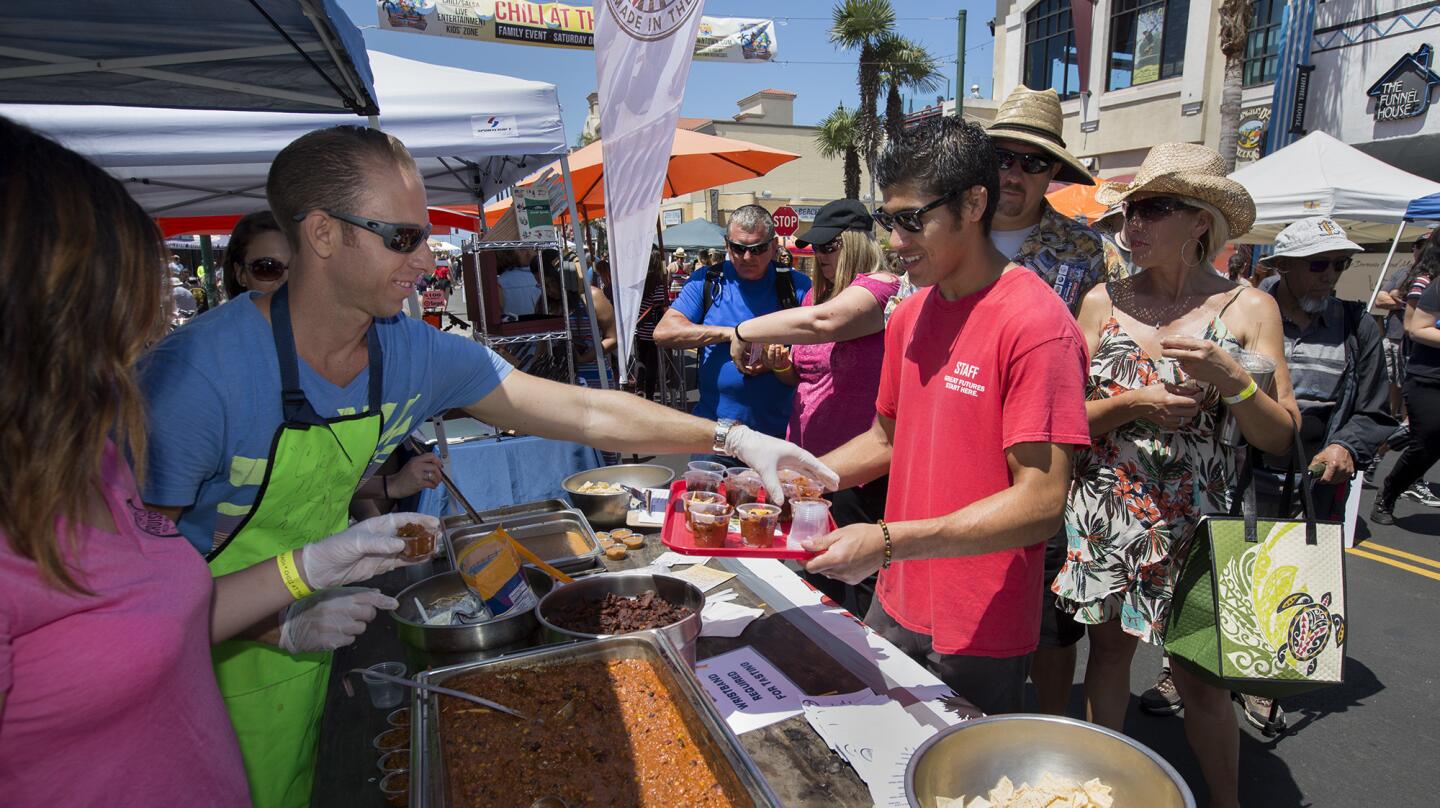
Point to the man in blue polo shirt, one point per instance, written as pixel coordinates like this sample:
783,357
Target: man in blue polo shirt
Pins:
713,302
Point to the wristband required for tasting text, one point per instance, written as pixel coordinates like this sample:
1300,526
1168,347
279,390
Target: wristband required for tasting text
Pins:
291,576
889,548
1242,395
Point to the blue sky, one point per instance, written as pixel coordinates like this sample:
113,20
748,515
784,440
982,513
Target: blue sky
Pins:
811,67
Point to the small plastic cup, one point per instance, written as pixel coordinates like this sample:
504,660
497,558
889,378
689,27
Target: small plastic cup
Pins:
396,788
703,481
696,496
706,465
758,521
743,487
790,492
711,523
392,739
397,760
399,718
810,518
385,695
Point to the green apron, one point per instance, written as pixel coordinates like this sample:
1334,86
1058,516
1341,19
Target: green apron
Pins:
276,699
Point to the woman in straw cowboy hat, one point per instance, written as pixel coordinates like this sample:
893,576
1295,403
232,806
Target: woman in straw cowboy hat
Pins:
1160,345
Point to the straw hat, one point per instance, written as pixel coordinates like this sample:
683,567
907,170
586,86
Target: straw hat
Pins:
1188,170
1034,117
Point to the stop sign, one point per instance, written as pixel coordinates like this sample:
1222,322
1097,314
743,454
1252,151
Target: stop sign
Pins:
787,221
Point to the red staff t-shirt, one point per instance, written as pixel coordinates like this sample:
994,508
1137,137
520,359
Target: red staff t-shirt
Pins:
965,380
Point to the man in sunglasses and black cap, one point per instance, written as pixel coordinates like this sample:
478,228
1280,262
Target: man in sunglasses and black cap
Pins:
256,453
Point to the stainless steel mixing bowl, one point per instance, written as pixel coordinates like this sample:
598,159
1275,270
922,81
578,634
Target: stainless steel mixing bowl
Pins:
609,510
628,584
447,645
970,758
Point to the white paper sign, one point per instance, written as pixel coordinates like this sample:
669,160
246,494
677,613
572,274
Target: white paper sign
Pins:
749,691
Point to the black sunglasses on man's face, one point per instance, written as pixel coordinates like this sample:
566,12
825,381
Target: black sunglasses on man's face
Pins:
741,250
1029,163
400,238
910,219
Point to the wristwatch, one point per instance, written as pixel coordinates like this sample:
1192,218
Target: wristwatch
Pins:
722,431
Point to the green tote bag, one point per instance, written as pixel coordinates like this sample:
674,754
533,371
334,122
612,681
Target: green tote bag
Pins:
1259,605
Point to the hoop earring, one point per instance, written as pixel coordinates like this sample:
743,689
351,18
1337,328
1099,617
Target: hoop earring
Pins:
1199,253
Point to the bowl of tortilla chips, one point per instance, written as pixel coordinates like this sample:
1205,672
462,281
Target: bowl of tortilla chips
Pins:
1039,761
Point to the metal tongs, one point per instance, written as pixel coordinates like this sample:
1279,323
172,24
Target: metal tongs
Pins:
400,680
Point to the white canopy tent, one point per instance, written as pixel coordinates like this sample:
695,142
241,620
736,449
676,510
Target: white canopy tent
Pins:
1318,175
471,134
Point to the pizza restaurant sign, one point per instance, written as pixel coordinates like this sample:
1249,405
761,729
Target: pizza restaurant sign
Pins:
1405,89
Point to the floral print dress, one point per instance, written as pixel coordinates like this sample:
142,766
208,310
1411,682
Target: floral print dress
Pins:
1138,495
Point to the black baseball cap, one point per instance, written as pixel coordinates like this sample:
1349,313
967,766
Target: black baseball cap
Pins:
835,218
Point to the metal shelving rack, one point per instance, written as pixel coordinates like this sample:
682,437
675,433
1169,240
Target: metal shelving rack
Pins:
482,334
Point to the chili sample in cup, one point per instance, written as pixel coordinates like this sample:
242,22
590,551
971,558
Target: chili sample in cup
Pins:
711,523
758,521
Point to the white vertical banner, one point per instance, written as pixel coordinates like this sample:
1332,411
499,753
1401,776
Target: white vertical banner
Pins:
643,50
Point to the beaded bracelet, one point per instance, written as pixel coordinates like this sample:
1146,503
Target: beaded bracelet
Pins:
889,548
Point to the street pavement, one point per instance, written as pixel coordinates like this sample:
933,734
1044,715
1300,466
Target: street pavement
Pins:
1372,741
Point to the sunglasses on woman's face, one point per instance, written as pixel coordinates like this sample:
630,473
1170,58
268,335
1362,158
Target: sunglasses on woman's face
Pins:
1029,163
828,247
266,269
910,219
1152,209
400,238
741,250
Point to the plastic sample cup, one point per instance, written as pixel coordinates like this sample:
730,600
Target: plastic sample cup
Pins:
392,739
790,492
758,521
743,487
703,481
394,761
697,496
396,788
810,518
705,465
711,523
385,695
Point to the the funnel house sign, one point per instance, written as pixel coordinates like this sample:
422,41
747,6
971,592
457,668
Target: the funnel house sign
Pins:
1404,91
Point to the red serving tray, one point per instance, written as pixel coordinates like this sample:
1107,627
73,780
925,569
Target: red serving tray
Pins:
675,535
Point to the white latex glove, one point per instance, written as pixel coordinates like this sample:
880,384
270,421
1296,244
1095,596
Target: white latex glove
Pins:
362,551
330,619
767,455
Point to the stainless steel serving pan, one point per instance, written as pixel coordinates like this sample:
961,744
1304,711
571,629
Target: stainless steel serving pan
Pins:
428,781
506,512
529,527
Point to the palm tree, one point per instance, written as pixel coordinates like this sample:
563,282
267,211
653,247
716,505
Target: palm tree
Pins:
1234,31
860,24
836,138
904,64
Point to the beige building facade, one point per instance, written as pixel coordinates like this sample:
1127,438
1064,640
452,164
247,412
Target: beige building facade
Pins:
1155,75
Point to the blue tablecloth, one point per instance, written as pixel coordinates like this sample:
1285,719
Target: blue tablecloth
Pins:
508,471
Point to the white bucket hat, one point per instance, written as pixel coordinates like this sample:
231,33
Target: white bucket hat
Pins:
1312,236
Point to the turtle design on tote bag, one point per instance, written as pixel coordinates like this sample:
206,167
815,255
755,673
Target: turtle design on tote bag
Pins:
1310,629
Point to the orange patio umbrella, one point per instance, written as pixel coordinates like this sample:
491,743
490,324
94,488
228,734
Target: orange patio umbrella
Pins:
697,161
1077,200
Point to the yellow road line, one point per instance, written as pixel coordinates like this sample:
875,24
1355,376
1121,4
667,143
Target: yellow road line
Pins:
1392,562
1419,559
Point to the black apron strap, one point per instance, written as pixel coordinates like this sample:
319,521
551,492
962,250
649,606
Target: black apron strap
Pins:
298,411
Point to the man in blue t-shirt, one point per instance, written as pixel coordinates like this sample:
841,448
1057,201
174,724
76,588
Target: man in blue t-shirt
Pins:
748,285
266,416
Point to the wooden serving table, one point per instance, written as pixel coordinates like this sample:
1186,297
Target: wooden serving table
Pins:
799,767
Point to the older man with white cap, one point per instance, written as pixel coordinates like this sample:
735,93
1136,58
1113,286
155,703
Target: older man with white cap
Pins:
1337,366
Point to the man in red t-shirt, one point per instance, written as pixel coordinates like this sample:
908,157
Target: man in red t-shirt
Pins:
981,403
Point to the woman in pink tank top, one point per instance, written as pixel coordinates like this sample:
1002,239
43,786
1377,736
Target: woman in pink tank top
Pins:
838,340
107,694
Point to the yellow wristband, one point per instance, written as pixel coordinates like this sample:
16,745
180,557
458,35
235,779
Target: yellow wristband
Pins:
291,575
1249,391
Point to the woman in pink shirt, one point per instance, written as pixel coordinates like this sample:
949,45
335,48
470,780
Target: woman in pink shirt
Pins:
839,344
107,694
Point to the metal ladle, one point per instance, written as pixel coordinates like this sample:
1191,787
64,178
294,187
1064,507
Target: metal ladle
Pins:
400,680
